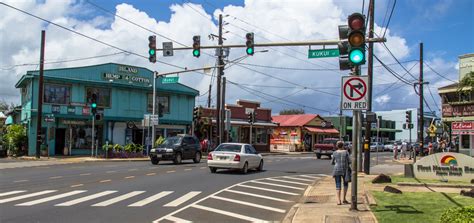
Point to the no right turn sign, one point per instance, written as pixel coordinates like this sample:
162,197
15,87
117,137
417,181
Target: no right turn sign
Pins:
354,93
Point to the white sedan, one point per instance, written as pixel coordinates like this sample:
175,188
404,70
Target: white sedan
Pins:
234,156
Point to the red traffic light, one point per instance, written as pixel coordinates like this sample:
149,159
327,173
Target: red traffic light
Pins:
356,21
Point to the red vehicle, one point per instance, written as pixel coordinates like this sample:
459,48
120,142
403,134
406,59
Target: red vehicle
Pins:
327,147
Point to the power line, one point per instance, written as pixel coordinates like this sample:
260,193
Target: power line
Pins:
396,59
386,89
385,17
432,97
434,71
389,18
393,72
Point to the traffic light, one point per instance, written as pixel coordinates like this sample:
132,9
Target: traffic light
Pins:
343,47
408,116
254,115
250,44
98,117
161,107
356,39
195,113
94,103
196,46
250,117
152,50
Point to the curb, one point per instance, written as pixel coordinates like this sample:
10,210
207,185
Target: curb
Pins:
436,185
284,153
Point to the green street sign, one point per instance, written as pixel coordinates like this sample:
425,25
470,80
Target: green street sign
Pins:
169,80
323,53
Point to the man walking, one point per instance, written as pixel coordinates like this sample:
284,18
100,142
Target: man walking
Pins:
404,149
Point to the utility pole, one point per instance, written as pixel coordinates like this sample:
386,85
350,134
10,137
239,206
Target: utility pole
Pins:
209,96
370,73
219,76
224,139
153,112
420,91
355,149
40,97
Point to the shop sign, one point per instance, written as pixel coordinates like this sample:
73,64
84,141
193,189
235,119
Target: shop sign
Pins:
128,69
55,109
457,110
73,122
450,166
86,111
49,118
462,126
71,110
77,104
127,78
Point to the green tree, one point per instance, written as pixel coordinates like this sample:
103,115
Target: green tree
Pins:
297,111
15,138
467,81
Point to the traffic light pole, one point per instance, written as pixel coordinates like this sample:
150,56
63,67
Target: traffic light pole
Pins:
420,91
40,98
93,135
226,133
355,150
370,73
154,112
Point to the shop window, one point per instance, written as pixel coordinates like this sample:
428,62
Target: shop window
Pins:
164,100
103,96
260,136
57,94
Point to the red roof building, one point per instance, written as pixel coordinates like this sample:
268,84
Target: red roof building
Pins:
300,132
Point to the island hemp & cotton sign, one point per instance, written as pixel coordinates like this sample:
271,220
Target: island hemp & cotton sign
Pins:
450,166
130,77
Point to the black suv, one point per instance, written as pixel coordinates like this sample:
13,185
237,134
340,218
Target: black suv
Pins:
177,148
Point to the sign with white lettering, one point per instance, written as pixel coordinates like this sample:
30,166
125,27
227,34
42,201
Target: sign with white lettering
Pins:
441,166
354,92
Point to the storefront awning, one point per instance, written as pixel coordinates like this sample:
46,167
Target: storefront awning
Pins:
322,130
244,123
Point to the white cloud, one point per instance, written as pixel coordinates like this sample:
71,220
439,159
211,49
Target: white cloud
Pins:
272,21
383,99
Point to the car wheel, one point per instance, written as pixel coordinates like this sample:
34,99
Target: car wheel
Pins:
260,166
197,157
155,161
245,169
213,169
318,155
177,159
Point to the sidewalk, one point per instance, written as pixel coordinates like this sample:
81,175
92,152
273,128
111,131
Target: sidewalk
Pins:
319,205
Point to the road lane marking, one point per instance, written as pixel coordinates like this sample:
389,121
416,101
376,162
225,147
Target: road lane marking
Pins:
277,185
277,160
152,168
249,204
266,189
203,167
55,197
56,177
20,181
117,199
86,198
309,176
26,196
129,177
111,171
175,219
84,174
182,199
134,169
231,214
171,171
150,174
296,178
12,192
104,181
269,161
257,195
187,169
150,199
285,181
77,185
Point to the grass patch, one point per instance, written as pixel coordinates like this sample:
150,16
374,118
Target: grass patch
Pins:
402,179
416,207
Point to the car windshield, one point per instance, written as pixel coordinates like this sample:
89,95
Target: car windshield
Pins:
229,148
172,141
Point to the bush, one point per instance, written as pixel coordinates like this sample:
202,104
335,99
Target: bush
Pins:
458,215
15,138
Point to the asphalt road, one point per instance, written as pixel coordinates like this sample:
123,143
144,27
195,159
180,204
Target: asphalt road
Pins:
142,192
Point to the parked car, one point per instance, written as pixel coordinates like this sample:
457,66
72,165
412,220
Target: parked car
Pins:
327,147
177,148
238,156
376,146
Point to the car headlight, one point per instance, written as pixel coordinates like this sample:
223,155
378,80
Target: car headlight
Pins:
169,150
152,150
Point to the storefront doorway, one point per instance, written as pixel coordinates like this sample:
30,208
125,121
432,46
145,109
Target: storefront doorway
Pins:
60,141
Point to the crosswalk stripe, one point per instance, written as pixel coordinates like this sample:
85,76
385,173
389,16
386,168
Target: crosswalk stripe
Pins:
55,197
235,215
309,176
176,219
117,199
295,178
12,192
26,196
285,181
182,199
249,204
266,189
150,199
277,185
257,195
86,198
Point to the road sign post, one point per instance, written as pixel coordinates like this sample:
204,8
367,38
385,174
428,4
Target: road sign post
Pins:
354,93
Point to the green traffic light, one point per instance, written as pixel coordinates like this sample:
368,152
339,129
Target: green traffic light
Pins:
151,52
94,105
249,51
196,53
356,56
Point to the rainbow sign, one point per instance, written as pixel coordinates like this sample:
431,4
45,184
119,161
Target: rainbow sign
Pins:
449,160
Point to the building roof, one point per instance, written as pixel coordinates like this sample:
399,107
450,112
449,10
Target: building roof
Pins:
294,120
